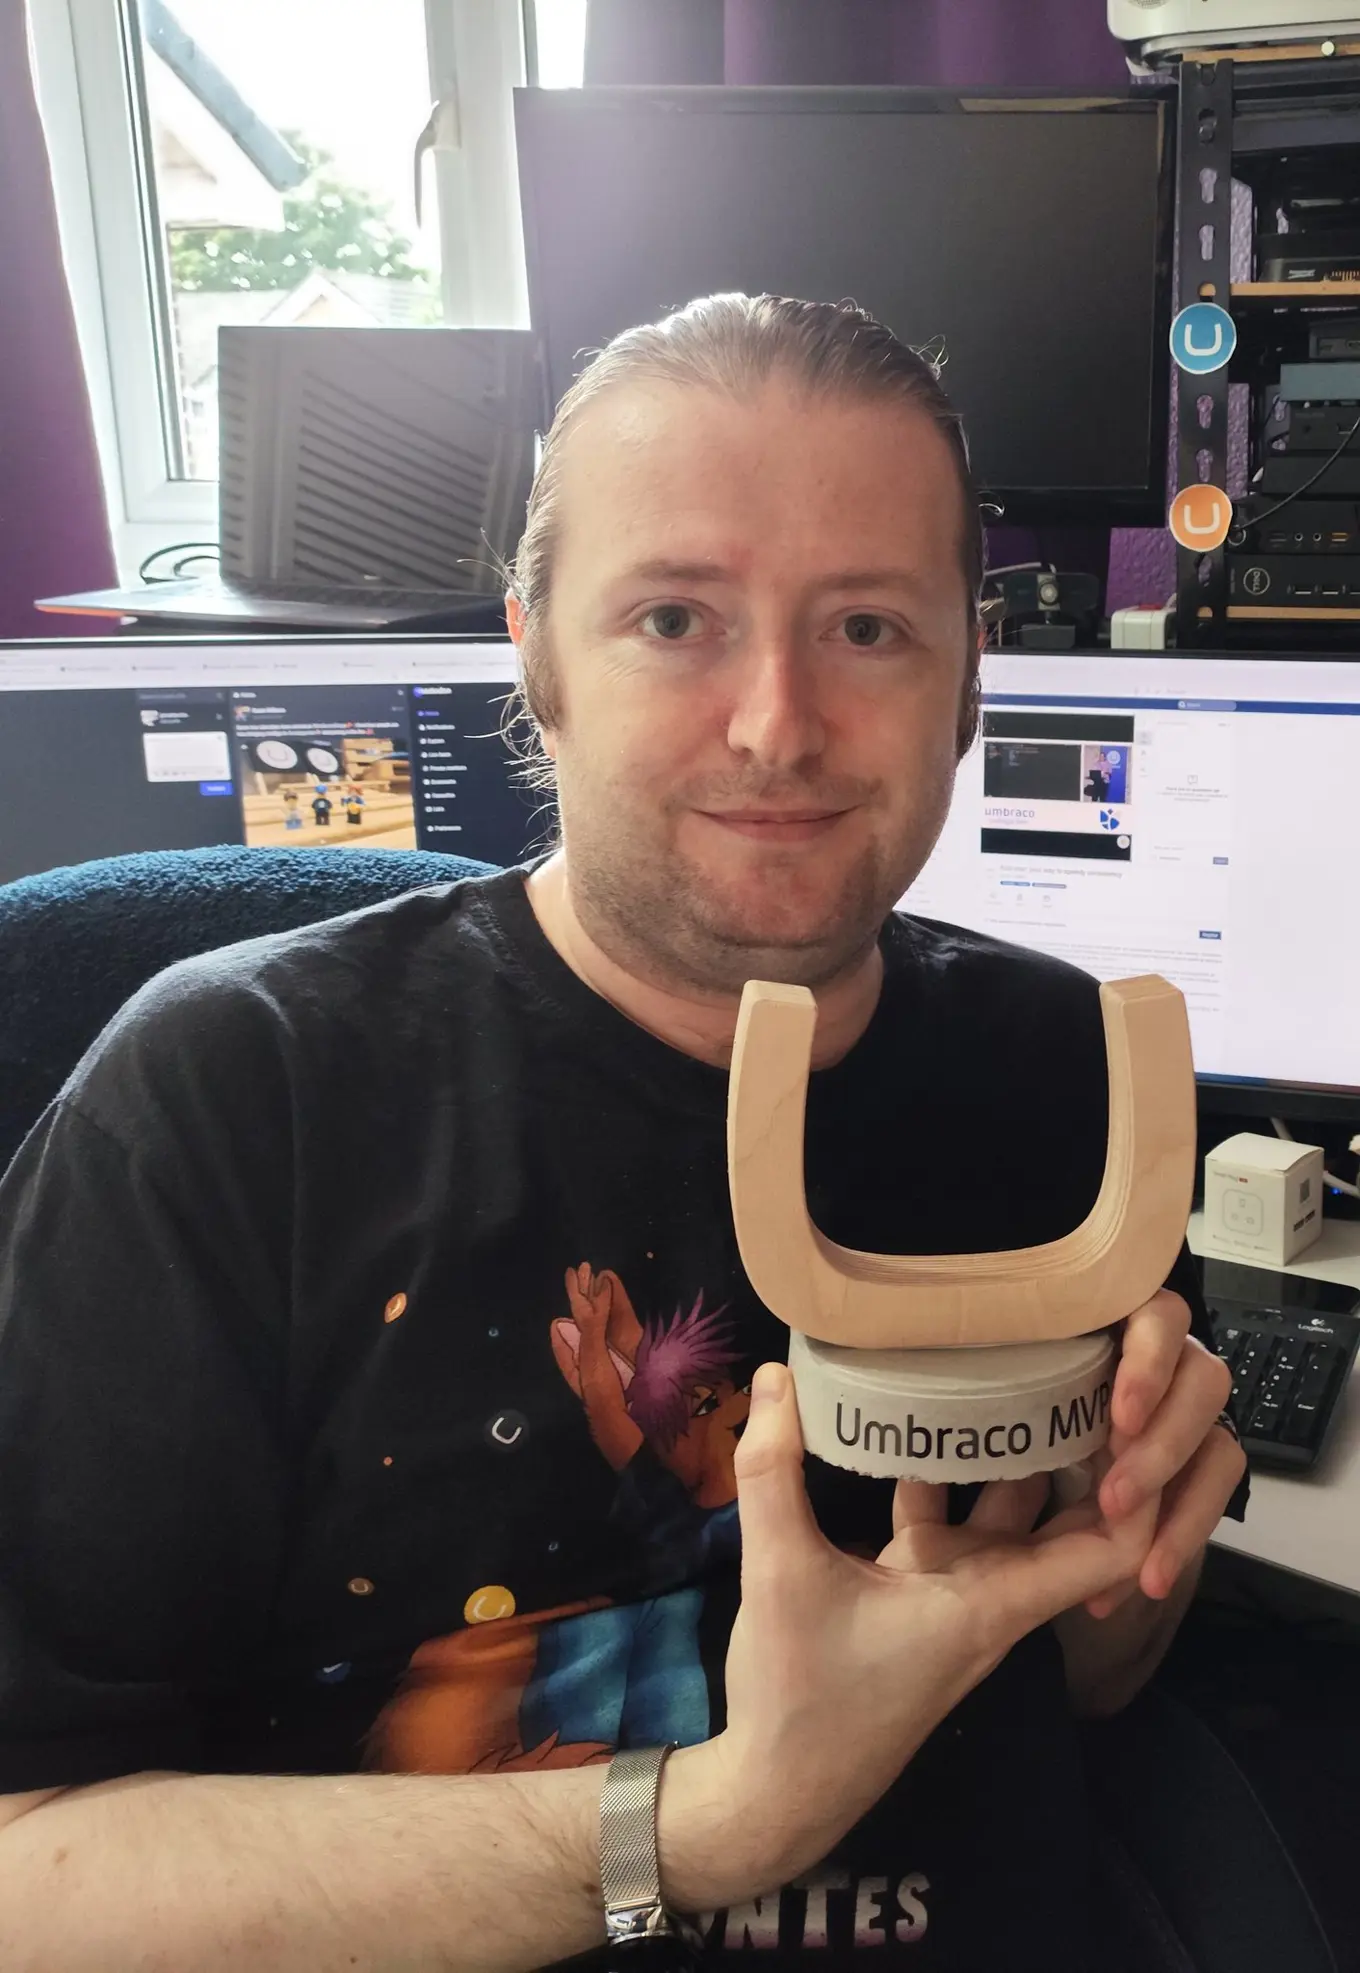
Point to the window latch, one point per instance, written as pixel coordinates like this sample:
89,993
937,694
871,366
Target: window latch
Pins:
442,132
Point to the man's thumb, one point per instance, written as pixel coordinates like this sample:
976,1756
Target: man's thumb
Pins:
776,1515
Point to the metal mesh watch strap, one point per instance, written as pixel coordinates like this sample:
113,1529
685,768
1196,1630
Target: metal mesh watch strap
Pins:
630,1873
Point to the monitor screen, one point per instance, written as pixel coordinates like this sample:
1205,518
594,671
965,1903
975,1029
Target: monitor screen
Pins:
389,743
1030,235
1184,816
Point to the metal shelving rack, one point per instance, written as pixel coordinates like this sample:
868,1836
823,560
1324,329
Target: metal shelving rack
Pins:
1236,106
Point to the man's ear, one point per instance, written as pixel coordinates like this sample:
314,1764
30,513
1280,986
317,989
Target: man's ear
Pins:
970,703
517,623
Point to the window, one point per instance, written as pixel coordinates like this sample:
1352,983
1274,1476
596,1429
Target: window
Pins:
557,33
281,161
277,137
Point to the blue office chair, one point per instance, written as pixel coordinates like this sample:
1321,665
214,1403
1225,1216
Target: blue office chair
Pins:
75,943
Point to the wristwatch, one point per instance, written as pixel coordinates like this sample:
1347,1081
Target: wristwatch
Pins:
1236,1509
638,1925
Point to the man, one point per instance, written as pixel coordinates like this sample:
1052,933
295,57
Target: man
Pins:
423,1476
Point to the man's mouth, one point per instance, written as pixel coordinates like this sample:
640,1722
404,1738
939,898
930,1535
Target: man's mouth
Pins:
777,825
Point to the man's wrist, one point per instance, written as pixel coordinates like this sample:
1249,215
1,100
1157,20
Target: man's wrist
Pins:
716,1840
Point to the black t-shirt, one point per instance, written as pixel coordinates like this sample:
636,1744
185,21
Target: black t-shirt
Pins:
307,1466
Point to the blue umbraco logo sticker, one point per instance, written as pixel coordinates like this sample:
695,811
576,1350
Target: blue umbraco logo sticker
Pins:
1203,338
1109,819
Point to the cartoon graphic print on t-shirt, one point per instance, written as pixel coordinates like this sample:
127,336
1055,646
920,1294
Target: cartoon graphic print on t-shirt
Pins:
665,1405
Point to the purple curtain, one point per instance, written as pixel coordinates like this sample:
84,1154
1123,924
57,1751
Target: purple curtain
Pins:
957,44
54,534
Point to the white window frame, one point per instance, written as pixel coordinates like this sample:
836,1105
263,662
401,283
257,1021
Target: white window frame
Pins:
476,55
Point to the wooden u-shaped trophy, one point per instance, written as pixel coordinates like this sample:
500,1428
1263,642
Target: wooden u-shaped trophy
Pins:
957,1367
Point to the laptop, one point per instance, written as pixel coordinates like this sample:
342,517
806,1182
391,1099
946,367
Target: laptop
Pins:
369,479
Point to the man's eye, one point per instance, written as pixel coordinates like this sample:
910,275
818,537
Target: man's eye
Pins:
867,630
705,1407
671,621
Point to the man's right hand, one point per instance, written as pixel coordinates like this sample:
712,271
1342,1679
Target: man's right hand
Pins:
839,1667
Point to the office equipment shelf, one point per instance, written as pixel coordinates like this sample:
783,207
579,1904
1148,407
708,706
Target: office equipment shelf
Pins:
1315,294
1239,113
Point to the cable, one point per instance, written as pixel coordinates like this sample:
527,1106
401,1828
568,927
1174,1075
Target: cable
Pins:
1281,1129
181,548
1255,520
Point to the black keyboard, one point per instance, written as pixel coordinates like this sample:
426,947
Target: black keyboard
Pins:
1290,1344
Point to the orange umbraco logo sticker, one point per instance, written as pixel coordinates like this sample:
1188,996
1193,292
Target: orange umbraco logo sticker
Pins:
1200,517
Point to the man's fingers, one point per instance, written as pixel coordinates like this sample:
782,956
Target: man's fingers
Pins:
1192,1508
1004,1507
1149,1354
919,1504
1010,1507
776,1515
1108,1602
1072,1559
1173,1435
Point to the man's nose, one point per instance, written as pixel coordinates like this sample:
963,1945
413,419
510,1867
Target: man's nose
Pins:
776,717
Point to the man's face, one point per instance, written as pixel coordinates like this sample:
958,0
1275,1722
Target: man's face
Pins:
760,632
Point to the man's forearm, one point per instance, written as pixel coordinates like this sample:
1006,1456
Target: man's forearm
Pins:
1110,1659
352,1874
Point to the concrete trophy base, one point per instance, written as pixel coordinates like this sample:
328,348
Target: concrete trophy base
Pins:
955,1415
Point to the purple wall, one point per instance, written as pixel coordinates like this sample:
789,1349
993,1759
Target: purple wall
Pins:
953,42
53,532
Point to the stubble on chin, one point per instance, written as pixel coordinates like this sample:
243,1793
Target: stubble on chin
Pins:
666,920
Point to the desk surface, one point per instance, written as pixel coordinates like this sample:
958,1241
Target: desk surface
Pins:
1310,1522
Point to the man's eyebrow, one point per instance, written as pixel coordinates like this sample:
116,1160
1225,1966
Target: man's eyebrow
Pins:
664,571
667,571
871,579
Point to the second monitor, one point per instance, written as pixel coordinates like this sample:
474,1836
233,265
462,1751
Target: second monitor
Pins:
1028,233
1184,816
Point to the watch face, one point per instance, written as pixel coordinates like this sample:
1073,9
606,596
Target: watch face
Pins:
323,760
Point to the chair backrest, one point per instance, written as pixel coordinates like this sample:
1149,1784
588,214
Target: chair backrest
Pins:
75,943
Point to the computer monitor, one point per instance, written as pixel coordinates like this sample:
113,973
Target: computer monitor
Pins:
1187,816
395,456
153,743
1031,233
